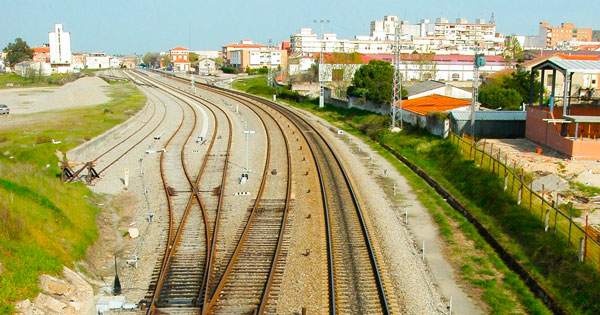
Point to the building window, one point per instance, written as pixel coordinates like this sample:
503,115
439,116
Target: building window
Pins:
455,77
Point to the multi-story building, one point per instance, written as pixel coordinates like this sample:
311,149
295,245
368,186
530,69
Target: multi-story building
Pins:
270,58
441,37
180,58
41,54
245,44
60,49
557,37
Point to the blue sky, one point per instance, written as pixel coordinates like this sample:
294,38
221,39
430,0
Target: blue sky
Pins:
126,26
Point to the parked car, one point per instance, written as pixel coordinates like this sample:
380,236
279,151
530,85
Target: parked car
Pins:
4,109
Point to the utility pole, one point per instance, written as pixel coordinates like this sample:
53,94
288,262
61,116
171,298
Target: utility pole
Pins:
270,75
396,84
321,85
478,61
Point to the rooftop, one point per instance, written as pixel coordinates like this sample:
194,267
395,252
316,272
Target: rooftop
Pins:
433,103
179,48
424,86
489,115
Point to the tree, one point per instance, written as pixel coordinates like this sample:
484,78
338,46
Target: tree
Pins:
518,81
151,58
17,52
374,81
193,57
513,53
165,60
496,97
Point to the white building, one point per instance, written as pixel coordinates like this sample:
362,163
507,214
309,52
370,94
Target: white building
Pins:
60,49
206,66
441,37
97,61
212,54
115,63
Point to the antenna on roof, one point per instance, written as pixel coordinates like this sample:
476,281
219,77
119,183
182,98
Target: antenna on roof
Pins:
492,20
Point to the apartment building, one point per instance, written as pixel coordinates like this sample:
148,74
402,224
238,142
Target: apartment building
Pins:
243,59
557,37
243,45
60,49
441,37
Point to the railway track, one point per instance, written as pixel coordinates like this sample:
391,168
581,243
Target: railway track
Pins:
242,285
357,285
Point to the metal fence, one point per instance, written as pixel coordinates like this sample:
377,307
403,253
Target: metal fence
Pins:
584,238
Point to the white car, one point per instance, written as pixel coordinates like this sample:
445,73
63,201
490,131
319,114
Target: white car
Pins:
4,109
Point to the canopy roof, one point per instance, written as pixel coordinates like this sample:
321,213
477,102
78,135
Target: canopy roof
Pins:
569,65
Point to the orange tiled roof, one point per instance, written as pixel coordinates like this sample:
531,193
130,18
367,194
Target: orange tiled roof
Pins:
245,46
577,57
433,103
179,48
41,49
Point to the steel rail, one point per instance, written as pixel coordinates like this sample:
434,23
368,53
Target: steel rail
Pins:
289,114
209,246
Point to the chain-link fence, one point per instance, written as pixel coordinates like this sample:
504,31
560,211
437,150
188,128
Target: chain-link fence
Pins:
518,184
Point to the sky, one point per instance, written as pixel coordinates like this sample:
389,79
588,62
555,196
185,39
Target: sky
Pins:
136,26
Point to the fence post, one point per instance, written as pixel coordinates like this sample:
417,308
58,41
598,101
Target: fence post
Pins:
555,213
580,254
546,226
499,161
471,150
543,199
505,181
521,188
514,174
530,195
491,158
482,154
586,238
570,220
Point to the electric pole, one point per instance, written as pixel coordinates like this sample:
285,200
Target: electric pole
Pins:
321,85
270,75
479,61
396,84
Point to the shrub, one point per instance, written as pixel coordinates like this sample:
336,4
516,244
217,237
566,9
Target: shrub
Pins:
229,69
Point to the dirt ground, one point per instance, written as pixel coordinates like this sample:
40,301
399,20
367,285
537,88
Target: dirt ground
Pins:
84,92
555,170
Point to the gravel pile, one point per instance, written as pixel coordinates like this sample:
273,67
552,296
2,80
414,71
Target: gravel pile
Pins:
88,91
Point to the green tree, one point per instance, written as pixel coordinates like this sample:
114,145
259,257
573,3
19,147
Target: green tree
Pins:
518,81
496,97
513,52
193,57
151,58
17,52
165,60
374,81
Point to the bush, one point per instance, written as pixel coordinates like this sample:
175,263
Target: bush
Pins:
43,139
229,69
263,70
496,97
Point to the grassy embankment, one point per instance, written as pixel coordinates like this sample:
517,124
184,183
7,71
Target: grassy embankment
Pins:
547,257
45,224
54,79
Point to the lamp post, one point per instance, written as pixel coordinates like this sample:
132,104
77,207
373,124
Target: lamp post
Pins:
248,133
321,87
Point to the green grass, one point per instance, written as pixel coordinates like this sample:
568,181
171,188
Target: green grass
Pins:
51,80
547,257
45,224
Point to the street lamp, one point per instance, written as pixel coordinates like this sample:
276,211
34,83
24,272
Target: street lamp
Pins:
321,87
248,133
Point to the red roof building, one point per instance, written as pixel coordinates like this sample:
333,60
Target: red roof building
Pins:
244,45
41,54
434,104
180,58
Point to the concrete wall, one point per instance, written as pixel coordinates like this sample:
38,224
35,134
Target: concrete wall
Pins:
354,102
438,126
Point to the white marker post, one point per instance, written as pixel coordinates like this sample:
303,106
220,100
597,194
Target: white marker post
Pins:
126,177
248,133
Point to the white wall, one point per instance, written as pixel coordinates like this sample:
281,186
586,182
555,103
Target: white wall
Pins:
97,62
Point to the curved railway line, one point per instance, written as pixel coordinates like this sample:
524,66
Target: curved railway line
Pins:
357,283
